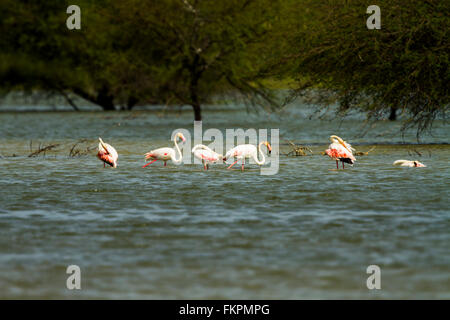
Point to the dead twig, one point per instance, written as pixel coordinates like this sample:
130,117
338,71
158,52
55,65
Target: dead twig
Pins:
360,153
40,149
298,150
80,152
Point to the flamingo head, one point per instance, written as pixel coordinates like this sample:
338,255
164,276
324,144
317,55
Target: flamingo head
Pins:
336,139
181,136
339,140
101,144
269,148
418,164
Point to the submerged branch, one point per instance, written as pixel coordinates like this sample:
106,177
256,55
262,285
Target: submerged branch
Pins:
298,150
41,149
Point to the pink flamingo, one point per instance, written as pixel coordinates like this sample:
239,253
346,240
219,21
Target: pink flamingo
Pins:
166,154
408,163
205,154
107,154
243,151
340,150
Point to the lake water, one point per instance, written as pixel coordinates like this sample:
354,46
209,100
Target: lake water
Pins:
308,232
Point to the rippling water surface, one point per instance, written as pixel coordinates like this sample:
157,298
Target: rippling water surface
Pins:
179,232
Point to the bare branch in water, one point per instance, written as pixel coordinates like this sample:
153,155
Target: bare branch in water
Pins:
298,150
80,152
42,149
361,153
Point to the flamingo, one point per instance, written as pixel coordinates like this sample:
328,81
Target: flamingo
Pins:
205,154
340,150
244,151
408,163
166,154
107,154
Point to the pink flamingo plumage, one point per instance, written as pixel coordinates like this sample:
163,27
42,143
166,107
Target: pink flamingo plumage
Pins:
340,150
107,154
206,154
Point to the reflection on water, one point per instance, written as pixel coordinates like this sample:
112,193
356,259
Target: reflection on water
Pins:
179,232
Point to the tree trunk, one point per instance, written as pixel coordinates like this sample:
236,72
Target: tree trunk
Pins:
393,115
197,112
105,100
194,96
193,87
102,99
132,101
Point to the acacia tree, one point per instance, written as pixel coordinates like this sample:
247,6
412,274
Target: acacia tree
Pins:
174,52
195,51
39,53
404,65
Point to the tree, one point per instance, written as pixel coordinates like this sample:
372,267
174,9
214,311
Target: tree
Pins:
404,65
173,52
197,51
39,52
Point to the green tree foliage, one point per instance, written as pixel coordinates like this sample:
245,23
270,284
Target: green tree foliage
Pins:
404,65
176,52
40,53
192,52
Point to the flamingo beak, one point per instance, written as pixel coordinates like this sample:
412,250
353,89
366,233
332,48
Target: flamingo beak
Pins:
418,164
269,148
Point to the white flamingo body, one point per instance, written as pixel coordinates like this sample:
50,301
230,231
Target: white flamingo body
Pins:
247,151
107,154
166,154
206,154
408,163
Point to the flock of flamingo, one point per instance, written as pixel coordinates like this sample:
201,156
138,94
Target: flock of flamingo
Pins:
338,150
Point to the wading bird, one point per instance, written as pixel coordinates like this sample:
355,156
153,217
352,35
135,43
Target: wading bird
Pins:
205,154
340,150
243,151
107,154
408,163
166,154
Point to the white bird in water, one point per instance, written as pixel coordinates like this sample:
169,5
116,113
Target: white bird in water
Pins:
408,163
243,151
166,154
340,150
107,154
206,154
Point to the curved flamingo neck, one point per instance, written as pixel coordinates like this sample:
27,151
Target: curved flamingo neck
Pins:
201,146
262,155
179,152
